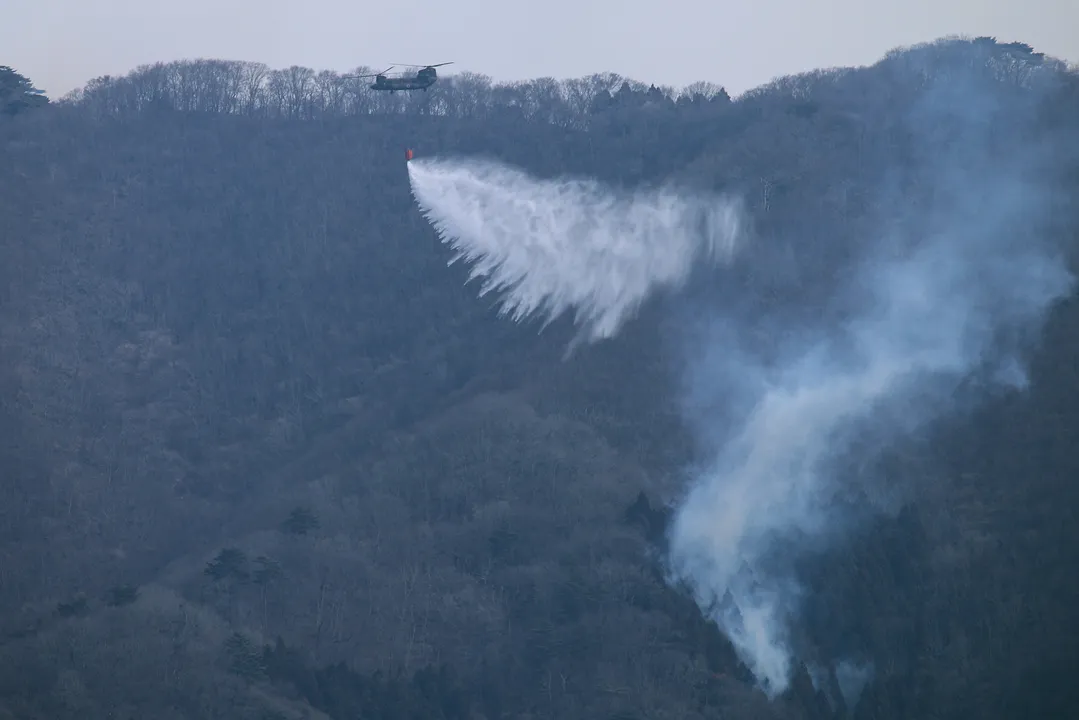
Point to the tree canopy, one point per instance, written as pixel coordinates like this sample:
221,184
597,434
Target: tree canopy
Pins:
265,455
17,93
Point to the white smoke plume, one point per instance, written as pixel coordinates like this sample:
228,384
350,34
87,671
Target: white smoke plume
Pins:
953,285
571,243
774,485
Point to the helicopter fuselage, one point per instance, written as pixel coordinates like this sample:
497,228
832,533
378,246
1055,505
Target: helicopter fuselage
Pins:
417,82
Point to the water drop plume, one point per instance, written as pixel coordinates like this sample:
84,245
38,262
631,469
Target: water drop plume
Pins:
567,243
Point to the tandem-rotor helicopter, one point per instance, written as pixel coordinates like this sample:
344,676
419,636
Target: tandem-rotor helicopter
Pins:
424,78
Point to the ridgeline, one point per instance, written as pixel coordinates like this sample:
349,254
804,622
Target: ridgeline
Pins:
264,455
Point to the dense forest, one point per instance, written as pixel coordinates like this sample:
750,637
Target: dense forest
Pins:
263,454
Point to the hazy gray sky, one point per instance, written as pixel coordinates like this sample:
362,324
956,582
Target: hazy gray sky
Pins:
60,44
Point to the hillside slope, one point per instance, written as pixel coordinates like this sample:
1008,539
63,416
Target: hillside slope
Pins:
265,455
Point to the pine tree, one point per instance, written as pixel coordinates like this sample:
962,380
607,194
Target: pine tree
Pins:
17,93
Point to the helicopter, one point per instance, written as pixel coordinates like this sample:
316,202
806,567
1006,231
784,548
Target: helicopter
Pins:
424,78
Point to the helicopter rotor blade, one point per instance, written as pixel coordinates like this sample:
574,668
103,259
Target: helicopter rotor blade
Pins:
370,75
421,66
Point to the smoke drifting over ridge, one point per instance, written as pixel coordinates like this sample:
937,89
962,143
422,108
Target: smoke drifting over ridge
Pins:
937,293
773,483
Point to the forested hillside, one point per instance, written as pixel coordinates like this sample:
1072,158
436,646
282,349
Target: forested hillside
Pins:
264,455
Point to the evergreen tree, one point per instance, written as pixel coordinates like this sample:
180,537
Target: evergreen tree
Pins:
17,93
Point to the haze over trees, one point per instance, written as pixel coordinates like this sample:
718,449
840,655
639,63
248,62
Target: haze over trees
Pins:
263,455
